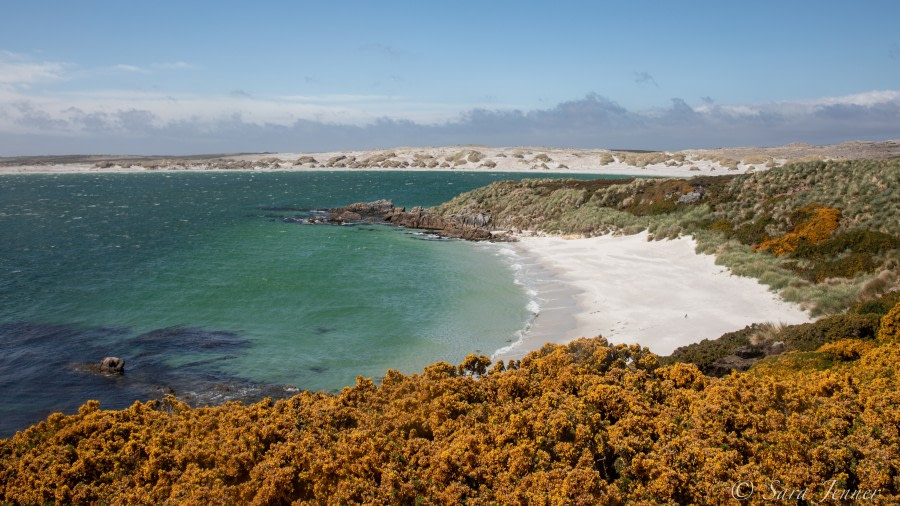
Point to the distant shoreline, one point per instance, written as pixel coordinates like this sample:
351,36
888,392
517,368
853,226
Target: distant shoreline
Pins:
531,160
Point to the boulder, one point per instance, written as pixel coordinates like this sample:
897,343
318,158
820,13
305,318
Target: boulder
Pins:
690,197
749,351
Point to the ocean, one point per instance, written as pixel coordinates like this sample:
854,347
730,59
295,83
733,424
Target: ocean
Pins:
199,283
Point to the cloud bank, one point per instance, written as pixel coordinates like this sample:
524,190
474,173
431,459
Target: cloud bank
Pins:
34,122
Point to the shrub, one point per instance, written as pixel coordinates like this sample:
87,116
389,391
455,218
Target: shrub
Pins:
705,353
585,423
810,336
814,224
879,305
890,325
854,241
753,232
846,349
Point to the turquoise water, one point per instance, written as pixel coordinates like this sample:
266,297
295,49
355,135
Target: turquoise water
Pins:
195,280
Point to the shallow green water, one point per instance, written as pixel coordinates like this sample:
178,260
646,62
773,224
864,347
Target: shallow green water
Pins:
90,263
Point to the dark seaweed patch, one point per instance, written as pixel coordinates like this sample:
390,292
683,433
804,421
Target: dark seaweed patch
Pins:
47,368
188,340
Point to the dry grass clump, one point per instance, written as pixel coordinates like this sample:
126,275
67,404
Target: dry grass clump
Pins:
303,160
606,158
724,162
766,333
378,158
756,160
642,159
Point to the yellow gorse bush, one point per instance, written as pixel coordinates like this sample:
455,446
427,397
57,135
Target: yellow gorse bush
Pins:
817,227
585,423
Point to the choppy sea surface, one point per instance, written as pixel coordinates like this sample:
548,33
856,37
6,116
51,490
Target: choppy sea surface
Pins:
200,285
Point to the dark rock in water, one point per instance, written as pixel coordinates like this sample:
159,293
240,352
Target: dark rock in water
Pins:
361,212
113,365
109,366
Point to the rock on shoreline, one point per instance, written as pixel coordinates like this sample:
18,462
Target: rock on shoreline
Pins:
470,227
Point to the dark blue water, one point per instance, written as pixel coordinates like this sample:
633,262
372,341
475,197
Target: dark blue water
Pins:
195,280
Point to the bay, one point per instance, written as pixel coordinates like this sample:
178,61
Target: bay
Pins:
197,282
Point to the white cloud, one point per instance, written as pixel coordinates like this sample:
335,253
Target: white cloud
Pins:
178,65
18,70
130,68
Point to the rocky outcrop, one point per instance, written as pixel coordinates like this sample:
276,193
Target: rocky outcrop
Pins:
468,226
360,212
454,226
744,357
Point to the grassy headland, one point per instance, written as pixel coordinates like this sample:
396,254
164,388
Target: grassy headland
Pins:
823,234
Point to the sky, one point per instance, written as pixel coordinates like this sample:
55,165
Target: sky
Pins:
164,77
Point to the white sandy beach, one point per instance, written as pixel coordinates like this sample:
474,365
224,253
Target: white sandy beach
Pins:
660,294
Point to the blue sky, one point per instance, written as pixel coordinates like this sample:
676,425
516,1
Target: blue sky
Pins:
187,77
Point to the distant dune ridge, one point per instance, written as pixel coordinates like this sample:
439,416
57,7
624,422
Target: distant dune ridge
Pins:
736,160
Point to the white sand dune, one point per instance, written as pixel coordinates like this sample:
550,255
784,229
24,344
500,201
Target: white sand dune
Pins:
660,294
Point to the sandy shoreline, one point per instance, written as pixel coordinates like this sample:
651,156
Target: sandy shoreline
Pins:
660,294
522,159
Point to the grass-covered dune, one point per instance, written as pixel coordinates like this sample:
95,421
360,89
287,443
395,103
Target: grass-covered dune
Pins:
585,423
823,234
